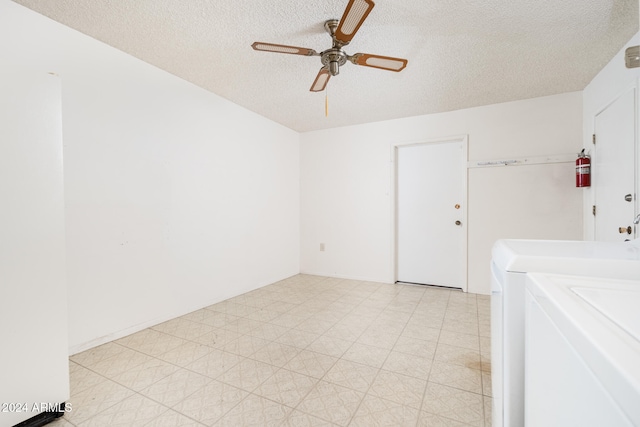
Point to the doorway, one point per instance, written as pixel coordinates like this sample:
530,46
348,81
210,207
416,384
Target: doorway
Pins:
431,213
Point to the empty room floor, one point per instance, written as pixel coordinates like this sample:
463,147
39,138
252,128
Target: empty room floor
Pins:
305,351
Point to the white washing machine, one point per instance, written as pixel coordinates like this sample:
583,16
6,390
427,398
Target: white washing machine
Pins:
582,351
512,259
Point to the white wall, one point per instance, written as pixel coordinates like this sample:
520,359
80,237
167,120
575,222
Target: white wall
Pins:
347,181
610,83
175,197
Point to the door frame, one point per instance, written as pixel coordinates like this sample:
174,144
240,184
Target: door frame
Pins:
635,87
463,139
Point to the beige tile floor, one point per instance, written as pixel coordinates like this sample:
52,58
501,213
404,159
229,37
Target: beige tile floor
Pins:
306,351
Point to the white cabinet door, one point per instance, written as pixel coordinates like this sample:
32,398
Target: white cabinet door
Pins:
431,221
33,305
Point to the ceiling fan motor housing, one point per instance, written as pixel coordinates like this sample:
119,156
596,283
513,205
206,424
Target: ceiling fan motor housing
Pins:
333,58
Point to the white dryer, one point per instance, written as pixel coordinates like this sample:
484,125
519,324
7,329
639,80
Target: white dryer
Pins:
582,347
512,260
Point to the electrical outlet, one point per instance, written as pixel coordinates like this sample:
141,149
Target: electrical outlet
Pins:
321,247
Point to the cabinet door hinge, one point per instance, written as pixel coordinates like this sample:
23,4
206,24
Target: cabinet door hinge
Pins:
593,209
594,138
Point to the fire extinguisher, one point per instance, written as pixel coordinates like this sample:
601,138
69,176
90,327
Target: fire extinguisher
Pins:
583,170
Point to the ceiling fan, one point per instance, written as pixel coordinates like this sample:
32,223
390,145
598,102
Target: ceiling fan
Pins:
341,32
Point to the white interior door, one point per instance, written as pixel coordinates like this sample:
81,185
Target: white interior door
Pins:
614,170
33,305
431,214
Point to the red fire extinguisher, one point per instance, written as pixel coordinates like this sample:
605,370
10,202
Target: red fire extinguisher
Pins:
583,170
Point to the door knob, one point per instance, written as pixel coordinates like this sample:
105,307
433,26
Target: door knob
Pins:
459,223
623,230
628,198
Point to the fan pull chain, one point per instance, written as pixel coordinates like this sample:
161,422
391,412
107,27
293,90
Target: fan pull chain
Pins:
326,102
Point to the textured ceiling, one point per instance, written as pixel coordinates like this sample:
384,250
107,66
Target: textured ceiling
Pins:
462,53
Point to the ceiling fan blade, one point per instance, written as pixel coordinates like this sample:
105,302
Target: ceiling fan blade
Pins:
280,48
353,17
377,61
321,80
